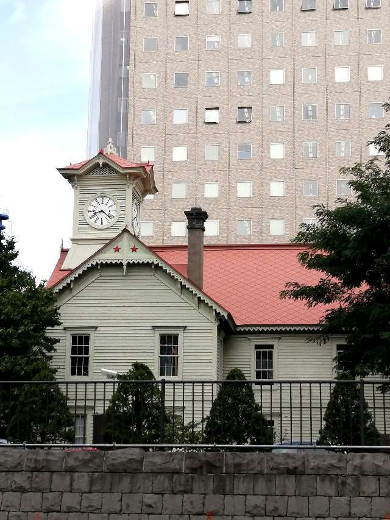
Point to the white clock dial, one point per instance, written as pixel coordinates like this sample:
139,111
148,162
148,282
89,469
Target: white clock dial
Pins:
102,211
136,222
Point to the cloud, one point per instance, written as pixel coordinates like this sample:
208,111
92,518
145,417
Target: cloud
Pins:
19,13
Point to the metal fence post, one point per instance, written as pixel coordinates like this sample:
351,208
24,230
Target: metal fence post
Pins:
162,417
362,422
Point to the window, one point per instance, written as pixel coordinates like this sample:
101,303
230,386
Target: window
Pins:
150,44
373,4
244,6
309,39
211,228
123,71
179,153
374,36
276,113
150,9
341,74
276,5
244,41
244,227
213,6
276,188
149,80
182,8
375,73
182,43
244,78
80,429
264,361
276,77
308,5
179,190
123,105
276,150
310,150
244,114
340,4
178,229
276,227
169,355
376,111
310,188
276,39
148,154
341,37
79,354
181,79
343,187
311,221
373,150
211,115
211,190
343,111
244,152
180,116
147,229
343,149
213,43
309,112
213,79
148,116
121,139
244,189
150,196
211,152
309,75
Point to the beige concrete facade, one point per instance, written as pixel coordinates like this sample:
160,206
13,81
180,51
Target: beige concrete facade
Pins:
293,169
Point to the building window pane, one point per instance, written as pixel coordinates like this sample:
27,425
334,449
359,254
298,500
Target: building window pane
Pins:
375,73
123,71
277,39
182,8
264,359
309,75
211,152
147,229
148,153
150,9
213,7
276,150
343,187
80,429
178,229
181,79
310,188
211,228
310,150
343,149
179,190
376,111
277,113
180,116
244,227
276,188
244,78
79,354
276,5
121,139
181,43
373,150
276,76
213,43
169,355
341,74
244,6
244,189
308,5
150,44
244,152
311,221
244,41
309,112
374,36
211,115
340,4
213,79
309,39
148,117
179,153
149,80
211,190
373,4
123,105
343,111
276,227
244,114
341,37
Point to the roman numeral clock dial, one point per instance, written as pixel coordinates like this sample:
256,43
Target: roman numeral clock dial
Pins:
101,211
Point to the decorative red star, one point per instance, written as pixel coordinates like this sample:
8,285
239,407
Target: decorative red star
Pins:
134,249
117,249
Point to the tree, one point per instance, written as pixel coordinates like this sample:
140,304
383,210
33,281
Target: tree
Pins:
350,248
235,416
342,419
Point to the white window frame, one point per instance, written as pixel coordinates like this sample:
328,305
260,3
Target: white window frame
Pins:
173,196
310,105
213,36
342,195
309,194
246,35
374,43
183,110
145,10
284,113
261,340
350,149
261,346
149,38
309,32
317,149
161,331
179,222
284,227
340,8
250,183
244,84
277,158
149,110
147,222
209,184
251,227
248,144
347,67
80,331
334,37
149,148
376,103
371,148
213,12
270,40
212,72
211,144
178,2
373,7
342,118
310,82
149,74
376,67
207,231
182,36
275,181
283,82
208,112
174,78
277,10
182,149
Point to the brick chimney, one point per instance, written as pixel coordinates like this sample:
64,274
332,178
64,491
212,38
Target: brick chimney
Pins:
196,218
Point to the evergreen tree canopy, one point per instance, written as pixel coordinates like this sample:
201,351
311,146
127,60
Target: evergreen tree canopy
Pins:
350,247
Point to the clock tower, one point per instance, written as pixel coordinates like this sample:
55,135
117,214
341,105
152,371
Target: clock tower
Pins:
108,195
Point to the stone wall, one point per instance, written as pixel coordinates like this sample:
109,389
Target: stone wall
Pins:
129,484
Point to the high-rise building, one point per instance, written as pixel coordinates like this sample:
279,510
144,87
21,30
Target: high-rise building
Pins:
250,108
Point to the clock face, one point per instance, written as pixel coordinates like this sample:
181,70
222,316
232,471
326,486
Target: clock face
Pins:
136,222
102,211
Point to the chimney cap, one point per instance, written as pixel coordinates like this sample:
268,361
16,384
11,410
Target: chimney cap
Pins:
196,218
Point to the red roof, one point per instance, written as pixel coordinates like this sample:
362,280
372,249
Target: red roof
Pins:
246,280
123,163
58,274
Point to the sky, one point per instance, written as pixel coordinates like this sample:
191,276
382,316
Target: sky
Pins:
44,94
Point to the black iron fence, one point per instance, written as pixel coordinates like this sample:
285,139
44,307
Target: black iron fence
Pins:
337,414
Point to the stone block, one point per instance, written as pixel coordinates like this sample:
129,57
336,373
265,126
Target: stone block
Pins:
78,516
91,502
182,483
33,516
111,502
71,502
122,482
142,483
85,461
138,517
214,504
380,507
163,462
368,464
306,485
132,502
12,459
327,485
41,481
330,463
162,483
58,516
234,505
384,485
21,481
51,501
6,481
255,505
264,485
152,504
223,484
3,515
31,502
101,482
45,460
243,484
193,504
61,482
199,463
125,460
158,517
119,516
172,504
202,484
361,507
319,507
298,506
11,501
340,507
369,486
98,516
285,485
276,506
236,462
349,486
17,515
286,463
81,482
179,517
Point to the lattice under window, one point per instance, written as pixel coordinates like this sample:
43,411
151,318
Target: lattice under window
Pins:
104,170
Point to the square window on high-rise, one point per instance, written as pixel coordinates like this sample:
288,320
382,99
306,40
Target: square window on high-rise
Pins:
148,154
309,75
123,71
244,227
311,221
244,189
179,153
182,43
309,112
374,36
276,77
147,229
276,5
373,4
181,79
211,115
213,42
343,148
276,188
244,41
180,116
211,190
179,190
340,4
149,80
375,72
182,8
310,150
276,227
308,5
150,44
211,228
244,6
343,187
342,74
341,37
211,152
374,151
123,105
244,114
150,9
244,78
343,111
213,6
178,229
276,113
276,150
244,151
310,188
149,116
276,39
376,111
213,79
309,39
